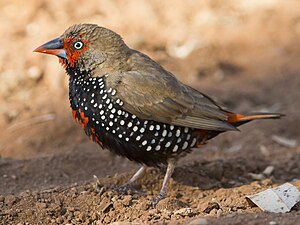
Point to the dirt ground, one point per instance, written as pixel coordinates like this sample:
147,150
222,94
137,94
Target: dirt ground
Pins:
245,54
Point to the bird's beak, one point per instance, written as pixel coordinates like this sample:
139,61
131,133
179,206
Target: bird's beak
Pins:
54,47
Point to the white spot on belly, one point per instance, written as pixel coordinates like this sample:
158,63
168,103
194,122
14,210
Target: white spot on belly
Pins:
193,142
164,133
185,144
177,133
175,148
168,144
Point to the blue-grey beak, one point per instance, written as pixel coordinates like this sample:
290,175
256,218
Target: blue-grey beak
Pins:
54,47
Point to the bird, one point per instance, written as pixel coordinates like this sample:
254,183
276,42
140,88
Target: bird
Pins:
129,104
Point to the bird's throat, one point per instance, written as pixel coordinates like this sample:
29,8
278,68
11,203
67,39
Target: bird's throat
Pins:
63,62
76,77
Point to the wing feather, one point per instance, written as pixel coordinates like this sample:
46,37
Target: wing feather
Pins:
152,93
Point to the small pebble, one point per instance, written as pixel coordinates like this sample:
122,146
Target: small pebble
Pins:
213,212
219,212
25,194
184,212
256,176
289,143
272,223
127,200
199,221
10,200
268,171
41,205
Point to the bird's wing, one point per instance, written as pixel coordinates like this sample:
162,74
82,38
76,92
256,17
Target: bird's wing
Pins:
164,99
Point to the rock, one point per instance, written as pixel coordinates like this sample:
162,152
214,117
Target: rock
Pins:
264,150
127,200
10,200
184,212
211,206
213,212
280,199
256,176
219,213
107,207
289,143
24,194
268,170
171,204
59,220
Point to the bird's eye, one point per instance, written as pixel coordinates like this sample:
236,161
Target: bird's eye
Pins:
78,45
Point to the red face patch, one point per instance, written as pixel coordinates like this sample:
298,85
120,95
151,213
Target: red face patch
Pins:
74,48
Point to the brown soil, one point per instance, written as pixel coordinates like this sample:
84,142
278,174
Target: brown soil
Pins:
247,59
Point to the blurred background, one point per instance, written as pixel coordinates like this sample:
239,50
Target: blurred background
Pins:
235,50
243,53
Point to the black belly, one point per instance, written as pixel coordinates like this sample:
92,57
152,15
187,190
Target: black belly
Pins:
143,141
105,121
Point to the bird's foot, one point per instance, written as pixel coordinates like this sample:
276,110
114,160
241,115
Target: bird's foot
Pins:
98,187
156,200
127,189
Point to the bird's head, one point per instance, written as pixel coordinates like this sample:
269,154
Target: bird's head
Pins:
86,47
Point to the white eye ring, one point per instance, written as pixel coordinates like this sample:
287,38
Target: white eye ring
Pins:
78,45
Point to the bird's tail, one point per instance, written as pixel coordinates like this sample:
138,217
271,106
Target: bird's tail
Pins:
236,120
239,119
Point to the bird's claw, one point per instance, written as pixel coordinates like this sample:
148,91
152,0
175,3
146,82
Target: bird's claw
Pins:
127,189
156,200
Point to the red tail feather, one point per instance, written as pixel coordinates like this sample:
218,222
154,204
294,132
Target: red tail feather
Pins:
240,119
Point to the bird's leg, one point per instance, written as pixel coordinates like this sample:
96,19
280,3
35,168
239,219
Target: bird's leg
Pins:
162,193
128,185
137,175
